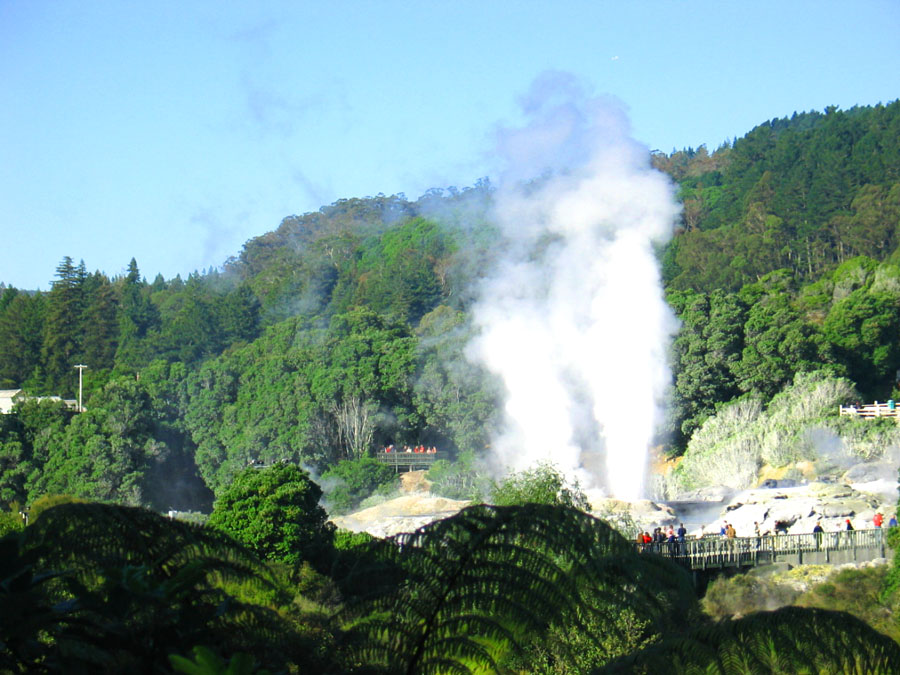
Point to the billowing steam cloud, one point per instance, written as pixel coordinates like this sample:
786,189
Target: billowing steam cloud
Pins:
573,320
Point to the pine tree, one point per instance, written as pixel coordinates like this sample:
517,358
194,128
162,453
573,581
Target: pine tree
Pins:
21,338
62,327
100,323
137,316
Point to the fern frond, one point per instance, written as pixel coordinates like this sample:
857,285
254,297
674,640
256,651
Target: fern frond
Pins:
788,640
485,581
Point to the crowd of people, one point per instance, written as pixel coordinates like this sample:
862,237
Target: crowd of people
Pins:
671,535
659,536
421,449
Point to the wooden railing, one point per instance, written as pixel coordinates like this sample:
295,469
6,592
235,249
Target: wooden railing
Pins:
409,461
716,551
870,411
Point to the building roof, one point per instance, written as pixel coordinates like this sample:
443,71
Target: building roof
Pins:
7,399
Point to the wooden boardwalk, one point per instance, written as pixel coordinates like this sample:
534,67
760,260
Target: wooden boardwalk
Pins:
409,461
718,552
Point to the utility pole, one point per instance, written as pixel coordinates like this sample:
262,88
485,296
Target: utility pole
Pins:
81,368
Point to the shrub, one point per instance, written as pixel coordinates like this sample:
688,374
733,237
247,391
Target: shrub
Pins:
744,594
859,592
350,481
461,479
744,434
543,484
275,512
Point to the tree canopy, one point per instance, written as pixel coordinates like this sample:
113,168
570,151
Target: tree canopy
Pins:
275,512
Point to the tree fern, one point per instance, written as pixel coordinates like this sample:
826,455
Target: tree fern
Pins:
460,594
789,640
147,586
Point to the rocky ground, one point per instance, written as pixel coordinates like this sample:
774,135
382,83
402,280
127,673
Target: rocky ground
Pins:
858,495
414,508
801,507
403,514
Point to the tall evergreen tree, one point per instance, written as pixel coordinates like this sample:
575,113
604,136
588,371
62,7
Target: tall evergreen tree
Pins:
21,338
63,327
100,323
137,316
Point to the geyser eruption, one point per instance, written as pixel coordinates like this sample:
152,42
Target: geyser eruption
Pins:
573,319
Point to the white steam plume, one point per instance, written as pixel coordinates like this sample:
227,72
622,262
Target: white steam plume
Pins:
574,320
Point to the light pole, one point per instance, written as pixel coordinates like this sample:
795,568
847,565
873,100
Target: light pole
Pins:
81,368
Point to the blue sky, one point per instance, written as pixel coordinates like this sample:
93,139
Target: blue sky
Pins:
174,131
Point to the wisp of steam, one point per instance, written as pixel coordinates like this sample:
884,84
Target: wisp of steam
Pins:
573,318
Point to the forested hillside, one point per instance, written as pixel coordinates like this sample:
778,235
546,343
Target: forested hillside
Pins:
346,328
804,194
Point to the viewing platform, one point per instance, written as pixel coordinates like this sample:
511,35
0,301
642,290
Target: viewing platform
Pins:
718,552
870,411
409,461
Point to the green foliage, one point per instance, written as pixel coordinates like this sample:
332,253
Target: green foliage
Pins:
463,479
30,620
21,338
779,270
11,520
348,482
788,640
401,275
581,641
543,484
302,394
41,504
456,399
126,447
742,594
467,593
858,592
705,354
62,326
275,512
206,662
106,452
863,327
731,446
777,344
367,360
805,193
135,588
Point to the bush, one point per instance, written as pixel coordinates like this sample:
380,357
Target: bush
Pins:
744,434
543,484
743,594
275,511
350,481
859,592
458,480
41,504
11,521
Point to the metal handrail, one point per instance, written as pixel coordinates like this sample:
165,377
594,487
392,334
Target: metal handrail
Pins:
717,551
409,459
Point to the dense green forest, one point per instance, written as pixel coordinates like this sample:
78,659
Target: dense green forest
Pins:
346,329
